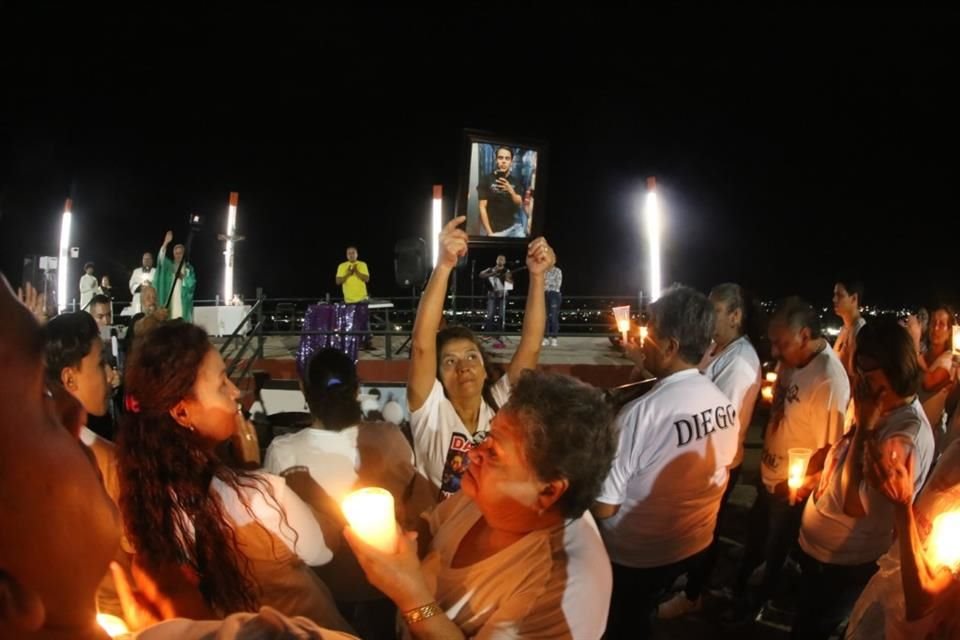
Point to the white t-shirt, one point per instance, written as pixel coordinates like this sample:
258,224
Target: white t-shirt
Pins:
268,623
736,372
441,441
300,533
552,583
331,456
372,453
833,537
808,409
88,289
881,610
676,443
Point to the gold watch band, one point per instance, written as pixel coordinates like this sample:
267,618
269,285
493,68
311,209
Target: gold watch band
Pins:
422,613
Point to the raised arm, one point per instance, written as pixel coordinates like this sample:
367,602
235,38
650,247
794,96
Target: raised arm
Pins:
540,258
423,359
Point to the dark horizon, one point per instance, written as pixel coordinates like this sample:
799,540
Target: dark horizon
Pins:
788,149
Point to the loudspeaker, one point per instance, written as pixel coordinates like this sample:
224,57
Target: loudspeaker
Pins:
410,262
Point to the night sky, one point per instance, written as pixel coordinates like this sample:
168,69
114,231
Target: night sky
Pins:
789,147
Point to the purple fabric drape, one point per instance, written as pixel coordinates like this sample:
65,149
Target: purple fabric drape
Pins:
335,317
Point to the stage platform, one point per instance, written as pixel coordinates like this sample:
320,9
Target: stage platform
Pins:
593,359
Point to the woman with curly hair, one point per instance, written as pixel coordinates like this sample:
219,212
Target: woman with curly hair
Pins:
243,538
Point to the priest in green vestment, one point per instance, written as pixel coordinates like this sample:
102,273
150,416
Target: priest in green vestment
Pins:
181,304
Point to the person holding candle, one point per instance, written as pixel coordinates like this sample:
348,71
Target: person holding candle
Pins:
47,586
808,411
915,594
734,366
450,392
244,537
658,505
847,524
515,554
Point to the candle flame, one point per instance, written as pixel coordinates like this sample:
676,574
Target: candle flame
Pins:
370,512
944,541
114,626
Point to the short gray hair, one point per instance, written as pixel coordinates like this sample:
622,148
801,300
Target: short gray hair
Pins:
685,315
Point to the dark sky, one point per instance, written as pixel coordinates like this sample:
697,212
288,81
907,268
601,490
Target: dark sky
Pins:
789,147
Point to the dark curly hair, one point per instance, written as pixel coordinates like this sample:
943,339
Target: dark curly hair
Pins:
170,513
568,433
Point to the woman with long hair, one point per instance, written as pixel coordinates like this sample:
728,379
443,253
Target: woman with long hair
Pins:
450,392
242,536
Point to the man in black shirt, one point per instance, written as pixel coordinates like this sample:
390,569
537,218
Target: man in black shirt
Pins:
499,199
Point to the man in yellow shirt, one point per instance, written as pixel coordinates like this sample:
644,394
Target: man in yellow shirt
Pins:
353,276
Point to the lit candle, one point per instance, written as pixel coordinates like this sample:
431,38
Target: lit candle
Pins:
943,545
622,316
797,460
643,335
370,514
114,626
766,389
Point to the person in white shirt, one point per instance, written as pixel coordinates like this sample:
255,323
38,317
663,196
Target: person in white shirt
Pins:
515,554
658,506
554,280
733,365
89,286
809,402
847,524
449,390
246,537
142,275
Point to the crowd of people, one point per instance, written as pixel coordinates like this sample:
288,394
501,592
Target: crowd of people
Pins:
529,505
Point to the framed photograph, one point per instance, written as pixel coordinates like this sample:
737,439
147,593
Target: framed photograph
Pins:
502,188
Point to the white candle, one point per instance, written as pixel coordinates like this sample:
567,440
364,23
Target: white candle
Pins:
622,316
797,460
944,542
643,335
370,514
114,626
